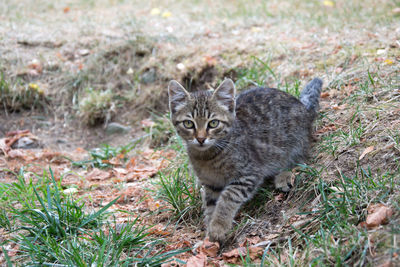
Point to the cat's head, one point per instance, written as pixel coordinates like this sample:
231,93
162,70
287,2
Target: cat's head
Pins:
203,117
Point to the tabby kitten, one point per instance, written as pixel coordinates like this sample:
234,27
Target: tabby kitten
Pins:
234,144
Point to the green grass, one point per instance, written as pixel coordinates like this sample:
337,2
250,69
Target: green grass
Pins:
53,229
332,236
99,157
179,189
260,74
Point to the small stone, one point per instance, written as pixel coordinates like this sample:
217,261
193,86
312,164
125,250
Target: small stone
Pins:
25,143
116,128
149,76
83,52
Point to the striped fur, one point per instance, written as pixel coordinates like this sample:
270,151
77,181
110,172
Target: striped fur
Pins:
259,135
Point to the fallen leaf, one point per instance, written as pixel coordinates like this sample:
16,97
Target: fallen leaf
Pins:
326,128
17,153
97,174
209,248
211,61
147,123
250,241
155,11
366,151
166,14
328,3
158,230
378,214
324,95
396,11
234,256
120,170
388,61
199,260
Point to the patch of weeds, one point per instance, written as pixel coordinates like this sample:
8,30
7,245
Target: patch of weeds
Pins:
179,189
261,74
15,96
60,231
22,191
100,157
258,74
115,68
96,106
335,238
161,132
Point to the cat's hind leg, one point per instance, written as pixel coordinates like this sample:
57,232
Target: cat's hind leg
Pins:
283,181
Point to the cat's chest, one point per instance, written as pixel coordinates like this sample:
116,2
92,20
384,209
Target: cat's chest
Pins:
211,172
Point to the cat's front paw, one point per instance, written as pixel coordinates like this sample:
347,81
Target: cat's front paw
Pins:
217,230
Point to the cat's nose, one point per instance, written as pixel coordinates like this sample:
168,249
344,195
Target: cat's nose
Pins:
201,140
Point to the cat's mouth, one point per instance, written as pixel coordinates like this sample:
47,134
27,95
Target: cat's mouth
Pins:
206,144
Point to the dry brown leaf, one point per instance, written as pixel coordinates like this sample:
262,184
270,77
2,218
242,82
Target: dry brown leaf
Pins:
121,170
366,151
158,230
199,260
396,11
211,61
209,248
147,123
3,146
97,174
378,214
255,252
234,256
249,241
17,153
325,95
327,128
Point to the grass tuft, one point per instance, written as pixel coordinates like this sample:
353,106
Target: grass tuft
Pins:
17,96
97,107
54,229
179,189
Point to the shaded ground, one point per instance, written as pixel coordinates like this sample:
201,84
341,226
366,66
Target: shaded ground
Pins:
97,62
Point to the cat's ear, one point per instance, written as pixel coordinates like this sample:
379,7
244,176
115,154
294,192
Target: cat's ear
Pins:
177,96
225,94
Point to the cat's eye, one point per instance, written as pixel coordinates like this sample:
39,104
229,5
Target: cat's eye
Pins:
213,123
188,124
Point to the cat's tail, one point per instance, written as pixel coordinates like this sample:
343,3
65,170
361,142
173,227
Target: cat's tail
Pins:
310,94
